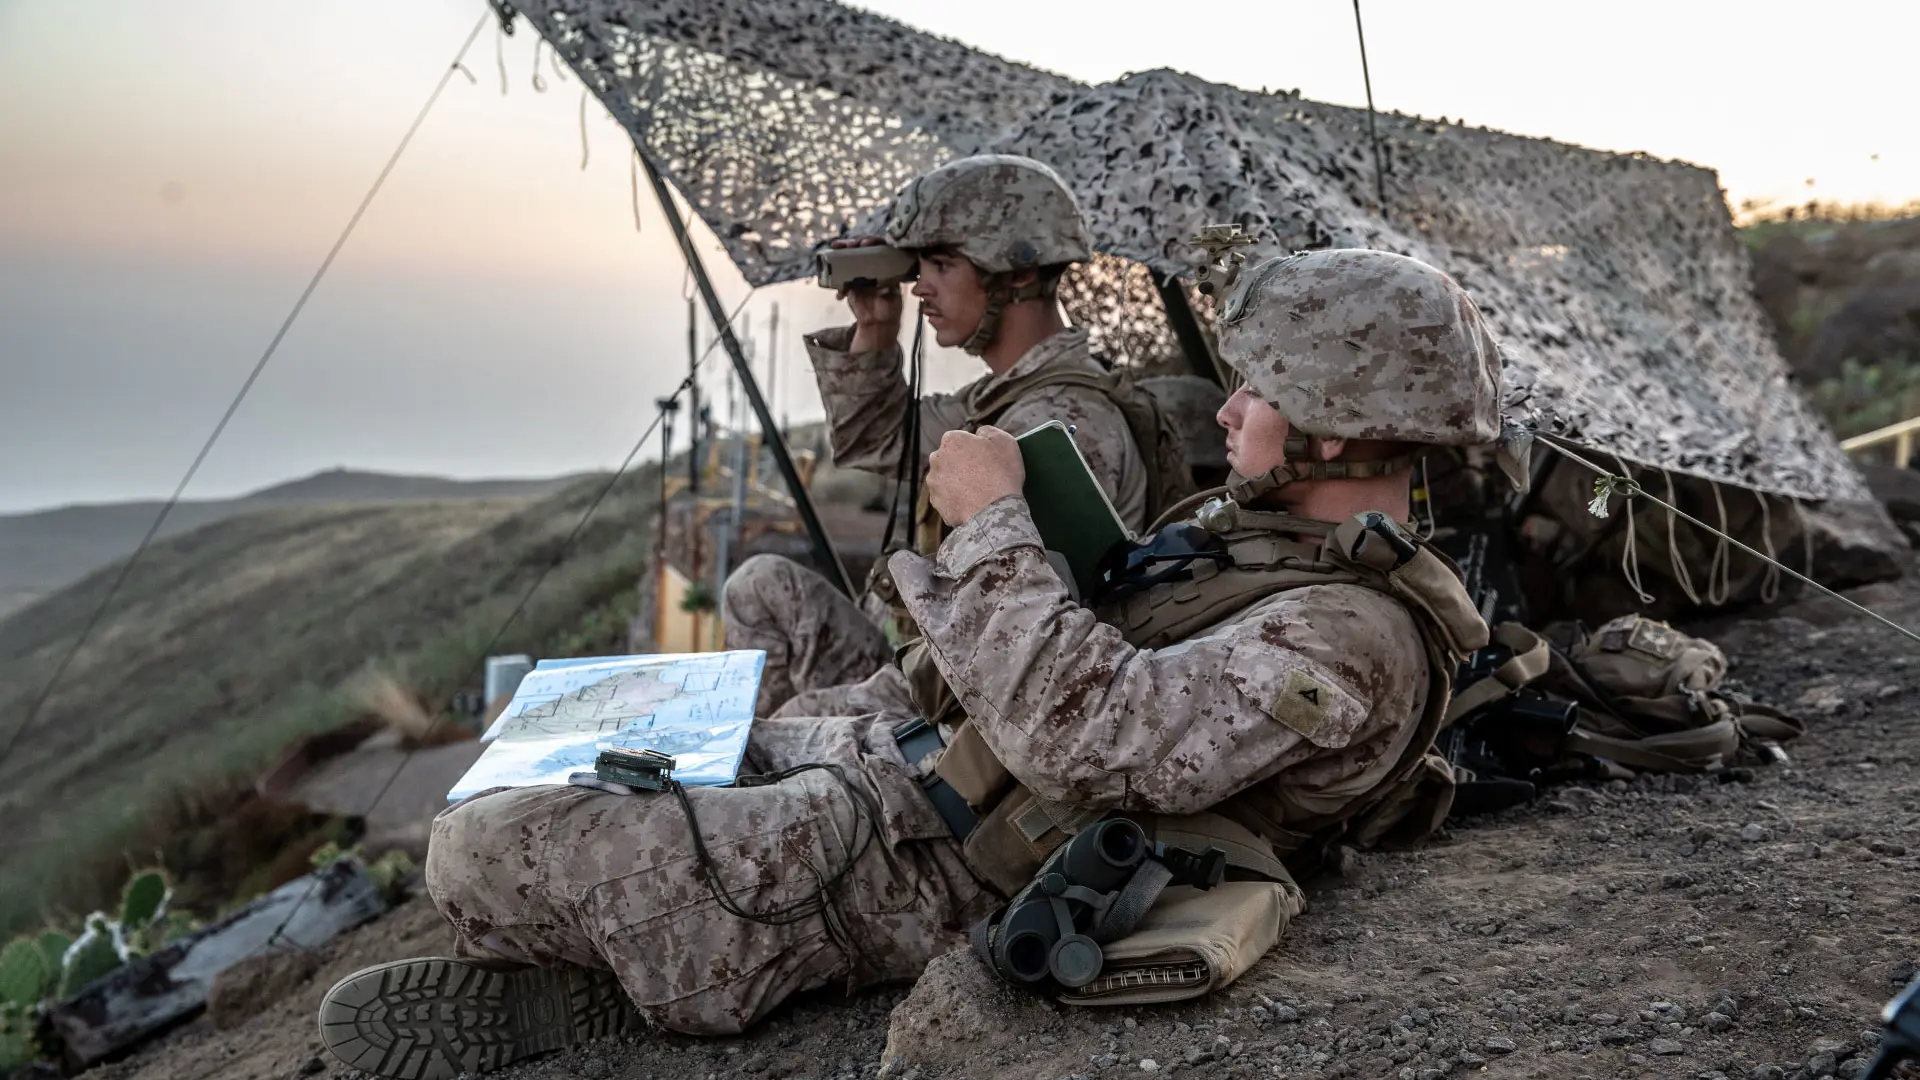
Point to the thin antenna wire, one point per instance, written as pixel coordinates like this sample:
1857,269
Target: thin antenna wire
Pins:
1373,130
233,406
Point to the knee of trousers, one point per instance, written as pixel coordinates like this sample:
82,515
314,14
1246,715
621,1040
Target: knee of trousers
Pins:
464,871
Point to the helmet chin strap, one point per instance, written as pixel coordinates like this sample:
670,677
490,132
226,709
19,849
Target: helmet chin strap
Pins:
999,295
1249,491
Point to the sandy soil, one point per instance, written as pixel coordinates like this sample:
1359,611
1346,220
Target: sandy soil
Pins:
1667,927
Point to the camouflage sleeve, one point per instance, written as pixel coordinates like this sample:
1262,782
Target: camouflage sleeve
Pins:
1103,437
865,395
1083,718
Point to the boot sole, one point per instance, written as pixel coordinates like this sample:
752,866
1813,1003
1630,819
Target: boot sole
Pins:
434,1019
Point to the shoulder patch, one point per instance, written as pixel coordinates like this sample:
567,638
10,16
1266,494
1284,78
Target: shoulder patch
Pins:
1302,703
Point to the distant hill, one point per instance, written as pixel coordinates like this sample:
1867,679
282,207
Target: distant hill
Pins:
49,549
229,641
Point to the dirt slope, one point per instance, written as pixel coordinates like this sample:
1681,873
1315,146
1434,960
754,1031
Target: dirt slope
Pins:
1670,927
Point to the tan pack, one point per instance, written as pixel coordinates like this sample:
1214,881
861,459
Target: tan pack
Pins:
1650,699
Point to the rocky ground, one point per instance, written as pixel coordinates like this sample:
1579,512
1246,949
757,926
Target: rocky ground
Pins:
1669,927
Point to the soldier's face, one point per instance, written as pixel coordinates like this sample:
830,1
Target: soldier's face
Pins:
951,296
1256,433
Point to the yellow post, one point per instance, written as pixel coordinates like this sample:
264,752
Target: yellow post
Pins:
1902,449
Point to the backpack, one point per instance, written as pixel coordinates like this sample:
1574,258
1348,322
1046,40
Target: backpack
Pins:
1634,696
1161,445
1649,699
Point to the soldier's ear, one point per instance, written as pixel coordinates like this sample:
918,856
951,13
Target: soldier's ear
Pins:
1329,447
1020,279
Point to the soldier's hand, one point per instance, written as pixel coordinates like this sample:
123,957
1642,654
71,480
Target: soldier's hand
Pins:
876,312
969,472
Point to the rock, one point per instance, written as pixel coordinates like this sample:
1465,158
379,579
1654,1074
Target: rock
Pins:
1850,1069
1471,1060
954,1005
1149,1065
1677,879
255,984
1284,1014
1886,847
1499,1044
1665,1048
1821,1064
1718,1022
313,1066
595,1068
1897,488
1753,834
1767,1072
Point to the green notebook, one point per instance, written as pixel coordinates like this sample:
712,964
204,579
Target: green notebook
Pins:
1077,521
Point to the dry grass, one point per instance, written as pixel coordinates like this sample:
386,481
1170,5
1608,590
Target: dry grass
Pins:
231,641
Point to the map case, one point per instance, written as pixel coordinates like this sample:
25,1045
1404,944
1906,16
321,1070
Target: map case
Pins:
694,707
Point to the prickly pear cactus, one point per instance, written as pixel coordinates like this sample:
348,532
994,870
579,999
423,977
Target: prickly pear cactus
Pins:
53,948
24,975
96,954
142,901
16,1037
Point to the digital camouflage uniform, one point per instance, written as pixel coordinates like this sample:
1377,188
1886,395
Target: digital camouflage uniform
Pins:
610,883
1004,214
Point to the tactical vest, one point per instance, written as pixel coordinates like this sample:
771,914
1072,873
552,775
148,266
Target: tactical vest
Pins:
1262,835
1162,450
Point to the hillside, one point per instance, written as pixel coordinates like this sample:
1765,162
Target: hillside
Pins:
1843,297
49,549
230,640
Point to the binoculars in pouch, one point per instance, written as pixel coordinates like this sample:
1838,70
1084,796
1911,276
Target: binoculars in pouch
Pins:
1092,889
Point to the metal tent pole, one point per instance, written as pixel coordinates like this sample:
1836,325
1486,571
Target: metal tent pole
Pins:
770,431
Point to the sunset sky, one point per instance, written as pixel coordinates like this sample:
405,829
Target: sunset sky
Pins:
171,174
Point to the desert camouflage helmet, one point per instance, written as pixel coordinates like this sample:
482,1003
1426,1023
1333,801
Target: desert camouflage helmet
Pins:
1002,212
1362,344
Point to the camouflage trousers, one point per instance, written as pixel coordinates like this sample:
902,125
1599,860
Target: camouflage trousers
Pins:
552,875
813,636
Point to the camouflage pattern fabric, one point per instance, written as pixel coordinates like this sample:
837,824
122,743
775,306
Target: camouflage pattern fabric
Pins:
1615,281
552,875
865,396
1361,344
1001,211
882,693
1302,701
813,636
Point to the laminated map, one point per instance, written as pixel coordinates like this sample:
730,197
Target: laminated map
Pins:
694,707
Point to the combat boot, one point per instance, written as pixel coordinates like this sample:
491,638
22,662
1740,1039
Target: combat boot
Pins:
438,1017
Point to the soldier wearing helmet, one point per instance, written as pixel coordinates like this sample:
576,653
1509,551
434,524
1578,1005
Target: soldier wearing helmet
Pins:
993,234
1276,697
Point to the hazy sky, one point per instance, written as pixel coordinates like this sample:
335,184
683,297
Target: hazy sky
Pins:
170,174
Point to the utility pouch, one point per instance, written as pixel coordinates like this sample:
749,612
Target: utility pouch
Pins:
1191,943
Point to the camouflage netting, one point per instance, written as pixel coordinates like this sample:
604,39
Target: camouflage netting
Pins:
1616,281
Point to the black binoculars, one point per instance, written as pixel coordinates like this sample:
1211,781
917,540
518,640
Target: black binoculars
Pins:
1054,927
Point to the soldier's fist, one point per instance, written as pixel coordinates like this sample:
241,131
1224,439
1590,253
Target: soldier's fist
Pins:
969,472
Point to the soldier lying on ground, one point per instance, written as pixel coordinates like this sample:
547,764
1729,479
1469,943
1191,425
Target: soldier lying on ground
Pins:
1282,700
994,233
